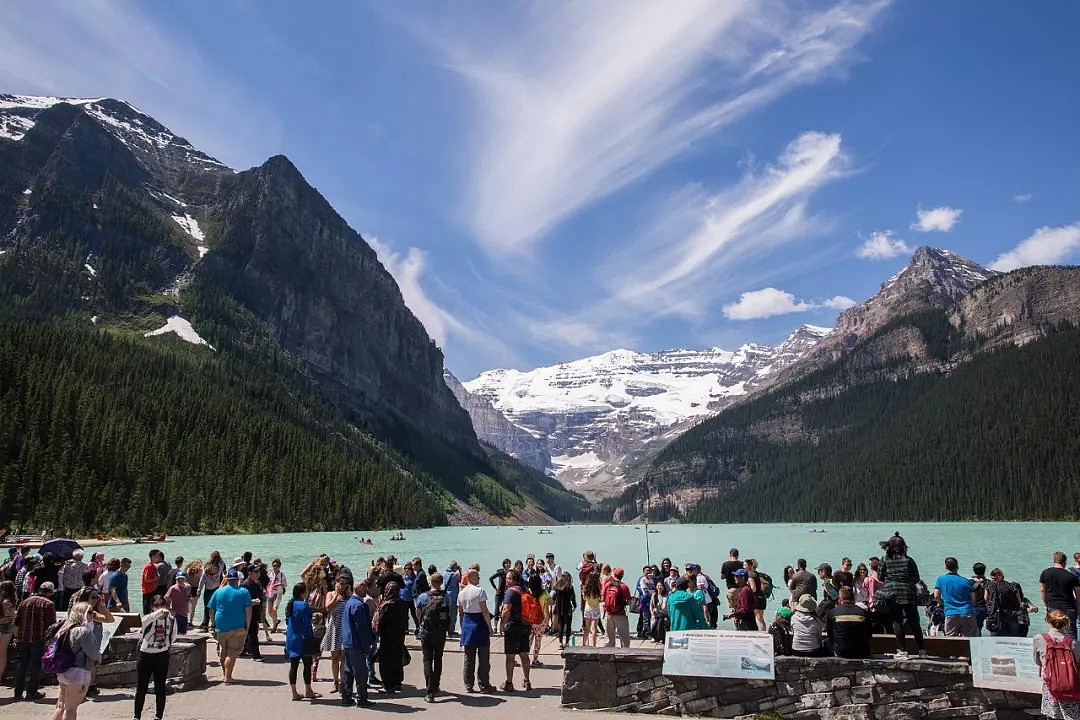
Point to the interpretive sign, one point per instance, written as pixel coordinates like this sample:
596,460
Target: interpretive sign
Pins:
107,630
719,653
1004,663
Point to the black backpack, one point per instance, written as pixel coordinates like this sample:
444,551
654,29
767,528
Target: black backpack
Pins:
436,617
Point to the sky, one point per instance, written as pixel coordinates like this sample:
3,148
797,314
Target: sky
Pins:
552,180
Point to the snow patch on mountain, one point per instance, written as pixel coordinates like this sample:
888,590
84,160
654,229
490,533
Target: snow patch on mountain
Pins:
183,329
189,225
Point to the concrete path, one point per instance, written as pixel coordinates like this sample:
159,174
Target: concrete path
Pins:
263,693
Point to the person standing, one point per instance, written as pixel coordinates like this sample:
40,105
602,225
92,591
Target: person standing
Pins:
232,617
727,572
475,619
556,572
275,591
898,574
213,576
616,597
9,603
75,680
1060,590
34,616
453,587
516,633
299,640
392,624
844,576
957,595
848,627
435,612
163,569
1004,605
159,629
802,582
978,585
71,577
357,641
564,604
117,590
1054,647
148,583
644,590
498,584
743,613
332,640
420,586
591,609
177,600
254,589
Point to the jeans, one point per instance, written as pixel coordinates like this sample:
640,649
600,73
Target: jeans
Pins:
356,670
154,665
433,646
618,625
471,672
644,620
28,670
147,602
451,600
1071,629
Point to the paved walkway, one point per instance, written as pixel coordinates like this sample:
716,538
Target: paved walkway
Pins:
263,693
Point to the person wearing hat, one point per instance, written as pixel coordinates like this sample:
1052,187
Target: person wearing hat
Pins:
781,631
232,616
178,600
683,609
744,603
616,596
806,628
254,588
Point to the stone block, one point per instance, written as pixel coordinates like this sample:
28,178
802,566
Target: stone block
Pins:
865,677
864,694
954,712
842,697
900,711
939,703
778,704
815,701
701,706
589,683
729,711
893,677
848,712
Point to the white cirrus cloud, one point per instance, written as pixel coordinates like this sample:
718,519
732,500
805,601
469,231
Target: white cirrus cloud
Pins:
1045,246
770,302
407,269
882,245
577,100
940,219
1023,197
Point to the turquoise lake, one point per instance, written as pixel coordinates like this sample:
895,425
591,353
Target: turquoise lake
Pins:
1022,550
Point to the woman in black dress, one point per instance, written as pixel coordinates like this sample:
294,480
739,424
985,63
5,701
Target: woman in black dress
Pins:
393,624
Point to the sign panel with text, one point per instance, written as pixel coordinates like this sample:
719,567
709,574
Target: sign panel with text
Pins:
719,653
1004,663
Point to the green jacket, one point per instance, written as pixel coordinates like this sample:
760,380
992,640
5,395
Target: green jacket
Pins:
684,611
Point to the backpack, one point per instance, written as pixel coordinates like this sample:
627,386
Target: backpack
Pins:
531,612
58,656
586,570
979,588
922,593
436,619
1059,669
765,585
1006,600
613,599
714,592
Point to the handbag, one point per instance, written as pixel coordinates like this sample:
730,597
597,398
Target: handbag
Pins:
406,658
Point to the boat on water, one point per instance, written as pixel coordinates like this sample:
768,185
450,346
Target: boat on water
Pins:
544,532
654,532
397,538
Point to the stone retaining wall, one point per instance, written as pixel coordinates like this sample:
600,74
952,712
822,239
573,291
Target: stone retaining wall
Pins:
630,680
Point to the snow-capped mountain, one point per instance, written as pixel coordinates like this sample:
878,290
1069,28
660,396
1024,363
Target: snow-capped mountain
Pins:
598,412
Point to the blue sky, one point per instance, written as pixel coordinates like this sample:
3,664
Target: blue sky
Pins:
551,180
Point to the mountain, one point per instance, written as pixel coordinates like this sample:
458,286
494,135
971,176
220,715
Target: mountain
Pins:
493,427
950,404
114,228
597,414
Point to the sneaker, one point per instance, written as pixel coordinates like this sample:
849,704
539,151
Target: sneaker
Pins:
93,691
537,663
35,696
923,655
487,688
347,702
364,703
470,689
900,655
429,698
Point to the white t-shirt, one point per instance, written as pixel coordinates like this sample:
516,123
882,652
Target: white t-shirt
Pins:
470,597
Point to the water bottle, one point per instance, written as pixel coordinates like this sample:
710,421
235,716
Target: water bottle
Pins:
573,640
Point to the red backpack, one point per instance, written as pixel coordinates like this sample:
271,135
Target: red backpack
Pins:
1059,669
587,569
614,603
531,612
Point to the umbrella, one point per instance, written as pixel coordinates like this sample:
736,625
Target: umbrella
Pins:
61,548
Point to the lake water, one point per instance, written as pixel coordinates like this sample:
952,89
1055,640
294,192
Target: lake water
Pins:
1021,550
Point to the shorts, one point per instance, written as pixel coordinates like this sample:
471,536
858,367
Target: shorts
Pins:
74,676
231,643
961,626
760,603
592,614
516,639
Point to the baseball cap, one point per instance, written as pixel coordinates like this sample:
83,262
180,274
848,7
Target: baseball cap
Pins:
693,566
824,566
785,612
617,572
740,573
181,574
232,575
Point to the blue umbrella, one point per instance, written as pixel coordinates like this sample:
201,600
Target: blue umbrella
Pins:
61,548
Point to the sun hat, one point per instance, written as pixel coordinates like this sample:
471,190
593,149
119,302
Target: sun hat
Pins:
784,612
806,604
238,562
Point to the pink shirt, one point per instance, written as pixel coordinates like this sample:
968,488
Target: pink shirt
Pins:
872,584
177,598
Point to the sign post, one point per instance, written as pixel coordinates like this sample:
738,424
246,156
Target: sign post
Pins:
720,653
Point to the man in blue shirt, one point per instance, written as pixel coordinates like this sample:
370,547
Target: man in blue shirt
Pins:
357,639
958,597
232,615
118,587
452,577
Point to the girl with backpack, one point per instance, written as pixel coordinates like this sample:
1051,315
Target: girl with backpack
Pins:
158,632
1058,657
533,612
75,651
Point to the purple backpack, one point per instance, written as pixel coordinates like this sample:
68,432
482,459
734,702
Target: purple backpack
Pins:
58,656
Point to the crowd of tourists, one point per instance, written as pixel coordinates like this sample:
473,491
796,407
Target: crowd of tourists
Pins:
357,622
